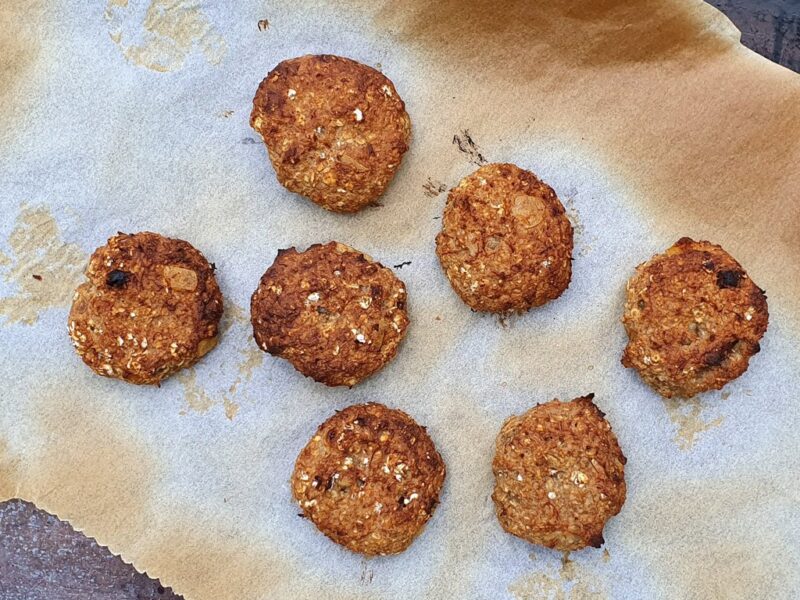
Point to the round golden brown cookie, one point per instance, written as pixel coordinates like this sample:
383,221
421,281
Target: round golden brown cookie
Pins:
694,318
335,130
369,479
506,243
331,311
559,475
151,307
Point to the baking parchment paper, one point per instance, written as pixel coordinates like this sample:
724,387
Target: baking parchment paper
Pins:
649,120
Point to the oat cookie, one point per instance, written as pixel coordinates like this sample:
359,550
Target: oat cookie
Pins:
694,319
559,475
331,311
150,307
506,242
335,129
369,479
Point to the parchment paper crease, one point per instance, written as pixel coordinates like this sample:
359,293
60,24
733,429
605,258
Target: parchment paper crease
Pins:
648,118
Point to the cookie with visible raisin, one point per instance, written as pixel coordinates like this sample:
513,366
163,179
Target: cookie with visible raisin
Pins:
151,306
694,319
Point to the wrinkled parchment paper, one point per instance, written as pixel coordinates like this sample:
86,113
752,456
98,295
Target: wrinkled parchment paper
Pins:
648,118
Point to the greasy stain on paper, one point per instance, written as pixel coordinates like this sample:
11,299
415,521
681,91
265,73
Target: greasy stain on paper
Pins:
42,269
161,35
